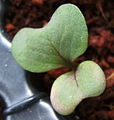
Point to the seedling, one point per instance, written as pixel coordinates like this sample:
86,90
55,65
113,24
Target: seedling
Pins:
57,45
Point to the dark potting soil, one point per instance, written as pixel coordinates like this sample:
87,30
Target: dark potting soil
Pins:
99,16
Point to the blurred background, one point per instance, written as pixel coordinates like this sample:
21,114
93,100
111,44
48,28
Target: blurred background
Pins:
99,15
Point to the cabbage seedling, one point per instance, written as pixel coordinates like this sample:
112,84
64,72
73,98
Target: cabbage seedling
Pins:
57,45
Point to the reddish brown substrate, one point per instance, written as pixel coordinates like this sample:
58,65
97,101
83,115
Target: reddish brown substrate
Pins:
99,15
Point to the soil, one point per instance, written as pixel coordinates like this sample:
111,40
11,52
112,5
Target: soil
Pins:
99,15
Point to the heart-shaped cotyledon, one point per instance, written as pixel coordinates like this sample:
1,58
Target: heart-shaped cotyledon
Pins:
56,45
71,88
